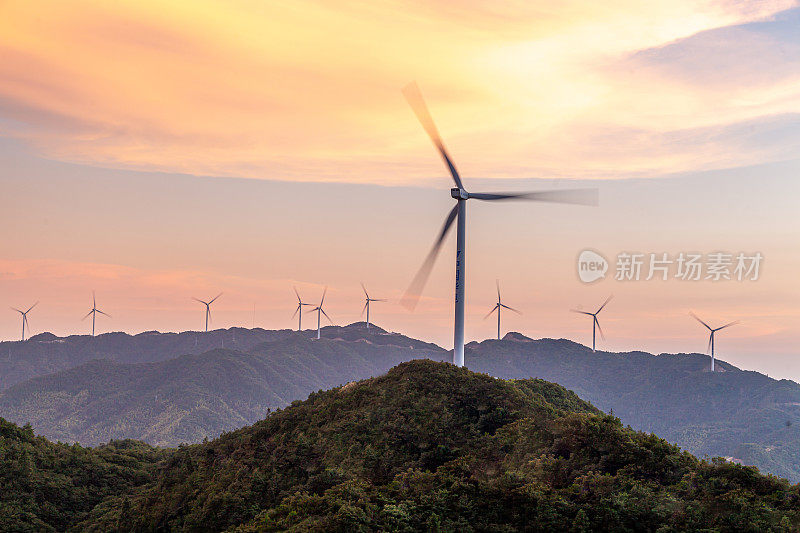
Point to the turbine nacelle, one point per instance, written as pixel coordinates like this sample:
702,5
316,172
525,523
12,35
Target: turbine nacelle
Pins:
459,194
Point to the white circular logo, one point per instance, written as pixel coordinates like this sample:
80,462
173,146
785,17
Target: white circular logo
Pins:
591,266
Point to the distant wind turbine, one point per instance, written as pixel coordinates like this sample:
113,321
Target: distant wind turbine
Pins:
25,318
459,215
711,336
368,300
208,307
299,310
497,307
94,312
320,311
595,323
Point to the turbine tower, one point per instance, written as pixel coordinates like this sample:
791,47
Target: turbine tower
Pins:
711,336
368,300
94,312
595,323
299,310
208,307
497,307
320,311
25,318
459,214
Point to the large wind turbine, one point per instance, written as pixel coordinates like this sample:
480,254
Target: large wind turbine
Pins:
497,307
711,336
459,214
94,312
208,307
299,310
595,323
368,300
320,311
25,317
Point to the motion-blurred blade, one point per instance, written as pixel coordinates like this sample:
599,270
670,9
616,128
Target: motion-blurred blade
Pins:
589,197
710,340
102,313
412,294
199,300
581,312
364,310
324,292
326,316
94,300
365,290
604,304
296,310
597,322
414,97
490,312
88,315
698,319
297,294
511,309
18,310
497,282
215,297
727,325
31,307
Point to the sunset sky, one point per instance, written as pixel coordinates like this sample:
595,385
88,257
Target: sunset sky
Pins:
155,151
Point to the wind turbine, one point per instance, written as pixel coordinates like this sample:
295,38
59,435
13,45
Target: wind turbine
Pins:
459,214
366,305
711,336
320,311
595,323
25,318
94,312
208,307
497,307
299,310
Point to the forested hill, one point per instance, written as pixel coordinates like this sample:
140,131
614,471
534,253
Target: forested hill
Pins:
432,447
731,413
192,397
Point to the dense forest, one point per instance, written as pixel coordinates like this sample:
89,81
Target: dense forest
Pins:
425,447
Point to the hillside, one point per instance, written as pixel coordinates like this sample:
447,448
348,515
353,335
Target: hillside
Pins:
739,414
432,447
48,487
45,353
192,397
743,415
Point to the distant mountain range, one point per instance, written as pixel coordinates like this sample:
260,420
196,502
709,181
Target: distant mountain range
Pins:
167,389
424,447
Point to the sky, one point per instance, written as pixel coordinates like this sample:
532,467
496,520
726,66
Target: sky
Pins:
158,151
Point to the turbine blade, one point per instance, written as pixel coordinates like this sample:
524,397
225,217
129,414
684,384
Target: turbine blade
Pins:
326,316
324,292
511,309
31,307
365,291
729,324
364,310
414,97
199,300
581,312
602,335
18,310
589,197
490,312
698,319
215,297
497,282
94,300
88,314
102,313
710,338
296,310
414,291
297,293
604,304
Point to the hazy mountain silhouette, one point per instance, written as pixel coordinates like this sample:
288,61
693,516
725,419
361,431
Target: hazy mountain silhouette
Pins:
738,414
